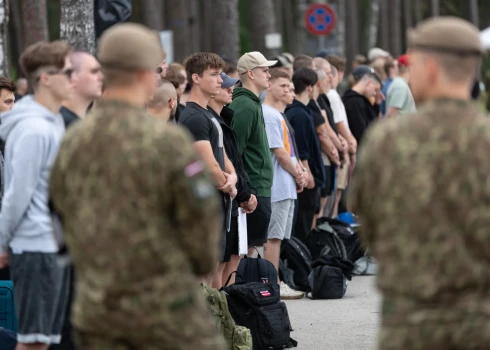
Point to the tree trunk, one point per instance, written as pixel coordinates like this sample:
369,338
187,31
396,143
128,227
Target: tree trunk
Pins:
301,34
407,9
418,11
15,35
194,25
34,21
341,27
474,12
396,30
435,7
4,22
152,13
206,13
373,24
385,25
77,24
263,22
178,20
292,41
352,30
225,32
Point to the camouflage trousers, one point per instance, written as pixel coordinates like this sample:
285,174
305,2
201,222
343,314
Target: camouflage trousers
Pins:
85,341
470,334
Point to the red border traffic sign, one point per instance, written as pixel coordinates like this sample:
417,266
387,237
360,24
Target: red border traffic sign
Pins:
320,19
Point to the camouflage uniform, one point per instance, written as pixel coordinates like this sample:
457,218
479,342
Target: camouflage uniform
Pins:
421,188
141,222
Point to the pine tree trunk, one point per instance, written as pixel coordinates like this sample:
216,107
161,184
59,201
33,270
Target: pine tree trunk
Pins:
225,32
341,27
418,11
385,24
15,35
396,27
474,12
301,34
407,12
352,30
178,22
435,7
373,24
152,13
4,54
263,21
77,24
34,21
291,31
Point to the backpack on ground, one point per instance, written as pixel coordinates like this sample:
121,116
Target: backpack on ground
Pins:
365,266
286,274
329,277
8,339
324,240
8,319
256,270
298,258
256,305
237,337
349,235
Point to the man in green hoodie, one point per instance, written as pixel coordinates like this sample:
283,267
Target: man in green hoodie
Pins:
249,126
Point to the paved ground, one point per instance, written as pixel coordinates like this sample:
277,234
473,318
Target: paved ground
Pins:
346,324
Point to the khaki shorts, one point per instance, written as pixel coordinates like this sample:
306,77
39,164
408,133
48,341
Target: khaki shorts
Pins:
343,176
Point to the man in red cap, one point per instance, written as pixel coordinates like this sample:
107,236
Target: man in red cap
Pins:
399,98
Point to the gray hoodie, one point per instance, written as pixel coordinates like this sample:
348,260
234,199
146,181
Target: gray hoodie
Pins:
33,135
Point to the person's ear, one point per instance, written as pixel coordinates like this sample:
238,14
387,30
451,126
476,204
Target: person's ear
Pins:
195,78
250,74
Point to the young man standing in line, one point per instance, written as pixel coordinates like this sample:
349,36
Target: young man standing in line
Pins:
309,150
203,70
163,103
289,176
246,194
87,82
33,131
340,119
249,126
399,98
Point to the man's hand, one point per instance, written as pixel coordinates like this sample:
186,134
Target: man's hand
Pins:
344,144
231,180
4,260
333,155
249,206
301,177
233,193
353,146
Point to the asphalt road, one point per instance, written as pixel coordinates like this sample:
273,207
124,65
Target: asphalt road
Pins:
350,323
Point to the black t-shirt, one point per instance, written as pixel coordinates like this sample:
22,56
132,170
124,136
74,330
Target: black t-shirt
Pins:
324,103
204,127
68,116
318,118
307,139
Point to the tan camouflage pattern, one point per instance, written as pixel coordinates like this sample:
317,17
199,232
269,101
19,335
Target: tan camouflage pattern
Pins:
422,191
141,221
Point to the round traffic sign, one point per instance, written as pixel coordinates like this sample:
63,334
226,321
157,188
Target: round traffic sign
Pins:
320,19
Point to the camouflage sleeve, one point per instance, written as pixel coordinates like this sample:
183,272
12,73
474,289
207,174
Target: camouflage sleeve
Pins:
371,161
194,204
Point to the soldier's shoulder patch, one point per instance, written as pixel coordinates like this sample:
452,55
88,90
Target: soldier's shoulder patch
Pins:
193,169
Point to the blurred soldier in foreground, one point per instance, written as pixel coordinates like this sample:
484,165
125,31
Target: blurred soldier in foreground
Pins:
425,204
135,202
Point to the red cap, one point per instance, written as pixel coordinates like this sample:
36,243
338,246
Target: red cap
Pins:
403,60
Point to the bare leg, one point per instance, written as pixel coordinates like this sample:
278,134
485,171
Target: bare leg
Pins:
216,281
338,196
272,250
230,268
323,203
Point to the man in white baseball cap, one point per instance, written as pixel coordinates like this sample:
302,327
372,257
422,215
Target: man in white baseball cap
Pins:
248,124
376,53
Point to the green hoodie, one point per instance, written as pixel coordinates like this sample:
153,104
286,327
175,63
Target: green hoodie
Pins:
249,126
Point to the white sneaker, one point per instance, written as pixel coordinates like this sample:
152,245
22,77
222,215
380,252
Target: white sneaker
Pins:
288,293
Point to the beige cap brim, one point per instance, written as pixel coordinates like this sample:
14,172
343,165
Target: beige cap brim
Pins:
267,64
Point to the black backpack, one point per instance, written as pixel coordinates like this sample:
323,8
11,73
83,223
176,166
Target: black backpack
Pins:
328,279
256,270
298,258
8,339
257,306
324,240
349,236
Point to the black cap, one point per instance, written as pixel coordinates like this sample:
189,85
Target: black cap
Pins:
361,71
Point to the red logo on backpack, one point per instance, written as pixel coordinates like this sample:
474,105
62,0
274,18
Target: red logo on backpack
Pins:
265,293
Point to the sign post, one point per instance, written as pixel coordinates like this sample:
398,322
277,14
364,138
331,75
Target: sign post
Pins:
320,19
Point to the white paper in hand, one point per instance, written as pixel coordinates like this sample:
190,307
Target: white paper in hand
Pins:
242,233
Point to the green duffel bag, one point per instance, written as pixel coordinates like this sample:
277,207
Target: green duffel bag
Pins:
237,337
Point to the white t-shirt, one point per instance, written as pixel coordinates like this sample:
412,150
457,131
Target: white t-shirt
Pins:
338,108
278,135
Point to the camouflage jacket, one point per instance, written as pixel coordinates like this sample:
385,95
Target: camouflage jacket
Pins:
141,221
422,191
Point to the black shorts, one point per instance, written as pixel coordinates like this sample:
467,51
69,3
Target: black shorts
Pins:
231,246
327,190
258,222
